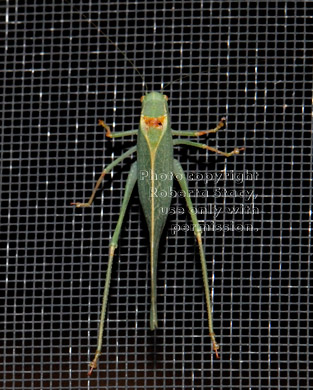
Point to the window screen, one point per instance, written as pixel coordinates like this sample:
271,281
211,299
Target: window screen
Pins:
67,64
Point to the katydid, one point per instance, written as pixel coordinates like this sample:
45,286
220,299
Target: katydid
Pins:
154,155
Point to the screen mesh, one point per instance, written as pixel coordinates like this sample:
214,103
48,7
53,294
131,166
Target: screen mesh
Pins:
248,61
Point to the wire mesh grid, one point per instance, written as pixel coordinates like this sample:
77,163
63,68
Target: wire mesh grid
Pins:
248,61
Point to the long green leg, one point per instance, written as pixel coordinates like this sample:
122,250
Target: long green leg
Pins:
118,134
199,133
204,146
130,183
105,171
153,268
181,178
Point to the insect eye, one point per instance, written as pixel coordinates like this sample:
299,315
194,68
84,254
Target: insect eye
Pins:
142,99
165,97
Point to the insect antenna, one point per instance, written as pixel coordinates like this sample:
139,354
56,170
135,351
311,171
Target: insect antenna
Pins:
92,23
184,76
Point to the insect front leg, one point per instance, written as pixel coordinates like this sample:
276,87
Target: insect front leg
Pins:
118,134
181,178
130,183
199,133
105,171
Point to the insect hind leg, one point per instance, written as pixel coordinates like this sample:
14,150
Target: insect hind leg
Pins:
181,178
130,183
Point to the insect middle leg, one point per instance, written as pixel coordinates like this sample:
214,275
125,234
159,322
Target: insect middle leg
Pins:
105,171
204,146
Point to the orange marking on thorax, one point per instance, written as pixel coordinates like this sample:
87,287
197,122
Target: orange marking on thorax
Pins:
155,122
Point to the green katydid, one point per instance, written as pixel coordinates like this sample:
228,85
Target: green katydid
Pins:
154,155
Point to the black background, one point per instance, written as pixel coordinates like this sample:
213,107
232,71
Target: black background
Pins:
248,61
